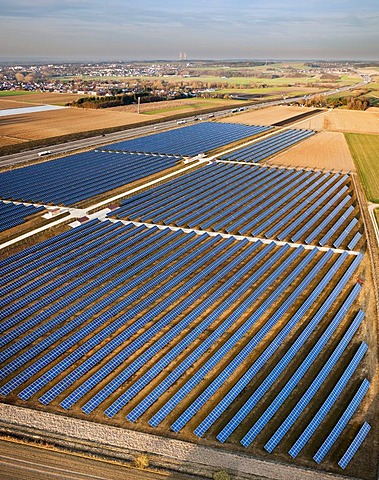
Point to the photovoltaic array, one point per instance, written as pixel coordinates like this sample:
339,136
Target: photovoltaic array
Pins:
70,180
222,304
284,204
12,215
262,149
189,141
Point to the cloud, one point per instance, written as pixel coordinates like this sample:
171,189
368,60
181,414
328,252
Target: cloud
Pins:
150,29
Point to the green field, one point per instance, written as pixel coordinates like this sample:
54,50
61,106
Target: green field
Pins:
364,149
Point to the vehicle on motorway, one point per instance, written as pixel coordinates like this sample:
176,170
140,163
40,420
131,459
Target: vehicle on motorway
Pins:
46,152
179,122
211,115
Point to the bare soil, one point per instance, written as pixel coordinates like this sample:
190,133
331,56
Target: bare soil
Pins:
54,123
326,150
344,121
40,99
267,116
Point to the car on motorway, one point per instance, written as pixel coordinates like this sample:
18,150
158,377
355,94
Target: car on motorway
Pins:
46,152
179,122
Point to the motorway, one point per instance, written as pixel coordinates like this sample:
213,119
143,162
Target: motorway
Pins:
91,142
23,462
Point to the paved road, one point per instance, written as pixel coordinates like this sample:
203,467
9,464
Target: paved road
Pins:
21,462
133,132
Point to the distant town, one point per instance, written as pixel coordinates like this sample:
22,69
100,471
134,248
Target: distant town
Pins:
113,78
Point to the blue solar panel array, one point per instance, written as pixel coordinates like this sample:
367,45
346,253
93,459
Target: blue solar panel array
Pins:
322,375
215,336
72,179
188,141
354,446
269,351
287,358
91,317
273,202
329,402
262,149
342,422
12,215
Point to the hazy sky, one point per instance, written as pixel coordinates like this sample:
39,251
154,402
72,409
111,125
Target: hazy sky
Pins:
218,29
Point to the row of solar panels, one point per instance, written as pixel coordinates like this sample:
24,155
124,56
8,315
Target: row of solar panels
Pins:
52,332
189,141
12,215
262,149
273,202
72,179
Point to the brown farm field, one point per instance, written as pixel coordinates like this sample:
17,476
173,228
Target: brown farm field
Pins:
326,150
54,123
39,99
17,128
169,107
267,116
344,121
7,103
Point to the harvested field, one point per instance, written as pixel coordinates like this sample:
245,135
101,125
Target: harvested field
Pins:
326,150
344,121
5,141
40,98
54,123
268,116
170,107
364,149
8,102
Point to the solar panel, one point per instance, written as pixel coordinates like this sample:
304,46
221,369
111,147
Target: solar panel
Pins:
321,376
209,391
329,402
342,422
354,446
74,178
272,347
174,352
289,355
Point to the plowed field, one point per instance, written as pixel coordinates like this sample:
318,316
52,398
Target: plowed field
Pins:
34,126
325,150
267,116
344,121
